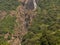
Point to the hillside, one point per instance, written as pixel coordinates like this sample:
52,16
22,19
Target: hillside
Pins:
29,22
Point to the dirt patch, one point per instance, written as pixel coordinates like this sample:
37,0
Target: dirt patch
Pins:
12,13
2,14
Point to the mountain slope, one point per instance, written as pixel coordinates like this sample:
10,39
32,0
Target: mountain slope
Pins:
15,20
29,22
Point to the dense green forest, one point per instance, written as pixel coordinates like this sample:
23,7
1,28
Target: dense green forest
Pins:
8,4
45,28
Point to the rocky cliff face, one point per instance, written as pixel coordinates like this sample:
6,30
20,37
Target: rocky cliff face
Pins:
29,4
24,20
24,16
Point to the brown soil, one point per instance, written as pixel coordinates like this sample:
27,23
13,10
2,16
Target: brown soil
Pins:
2,14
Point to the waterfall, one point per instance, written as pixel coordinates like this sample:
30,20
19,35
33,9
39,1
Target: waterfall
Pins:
35,5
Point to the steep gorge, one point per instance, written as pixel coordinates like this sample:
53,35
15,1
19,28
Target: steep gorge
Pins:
24,16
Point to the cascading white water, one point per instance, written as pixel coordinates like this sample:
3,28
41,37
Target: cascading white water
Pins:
35,4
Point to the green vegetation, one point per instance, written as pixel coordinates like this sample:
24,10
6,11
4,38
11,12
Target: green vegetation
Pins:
8,4
45,28
6,26
3,41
